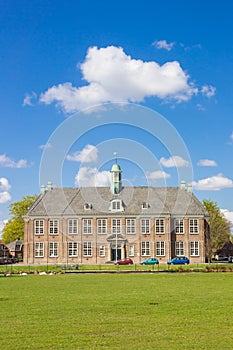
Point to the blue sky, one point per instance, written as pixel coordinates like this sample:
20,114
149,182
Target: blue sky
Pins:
174,58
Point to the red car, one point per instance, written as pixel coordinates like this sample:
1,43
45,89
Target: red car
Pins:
126,261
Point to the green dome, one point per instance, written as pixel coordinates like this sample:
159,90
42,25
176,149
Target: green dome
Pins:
116,167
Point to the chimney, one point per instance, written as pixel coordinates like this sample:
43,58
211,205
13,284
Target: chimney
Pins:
182,185
42,189
49,186
189,188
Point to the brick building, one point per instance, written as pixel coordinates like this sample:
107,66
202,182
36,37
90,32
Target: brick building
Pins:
96,225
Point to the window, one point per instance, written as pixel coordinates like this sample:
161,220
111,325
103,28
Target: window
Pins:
102,226
87,226
160,248
53,249
87,249
72,249
39,227
102,250
159,226
194,248
179,248
53,227
145,205
131,250
145,248
72,226
179,226
116,205
39,250
87,206
193,226
130,226
145,225
116,226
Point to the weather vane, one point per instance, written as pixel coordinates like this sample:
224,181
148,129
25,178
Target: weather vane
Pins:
115,154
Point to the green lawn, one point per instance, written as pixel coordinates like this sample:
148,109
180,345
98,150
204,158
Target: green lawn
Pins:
117,311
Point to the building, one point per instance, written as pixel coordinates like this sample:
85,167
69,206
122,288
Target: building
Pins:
97,225
4,251
16,249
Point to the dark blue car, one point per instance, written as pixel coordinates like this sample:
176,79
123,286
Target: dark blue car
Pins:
178,260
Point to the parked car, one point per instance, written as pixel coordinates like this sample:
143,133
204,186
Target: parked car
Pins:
150,261
221,257
5,261
126,261
230,259
178,260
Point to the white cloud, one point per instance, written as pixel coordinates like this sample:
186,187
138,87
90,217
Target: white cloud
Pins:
231,136
2,224
88,154
208,90
156,175
214,183
88,176
46,146
207,162
5,197
228,215
7,162
163,44
113,76
28,99
4,184
174,161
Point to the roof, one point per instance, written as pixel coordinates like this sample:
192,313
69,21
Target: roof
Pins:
159,200
116,167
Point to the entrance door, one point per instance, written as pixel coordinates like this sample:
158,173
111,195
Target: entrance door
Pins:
113,254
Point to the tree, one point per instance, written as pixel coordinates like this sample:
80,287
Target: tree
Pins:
219,228
14,228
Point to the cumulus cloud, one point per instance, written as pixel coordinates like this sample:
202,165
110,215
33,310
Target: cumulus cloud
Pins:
163,44
114,76
7,162
4,190
156,175
207,162
2,224
88,176
174,162
29,98
46,146
208,90
214,183
88,154
228,215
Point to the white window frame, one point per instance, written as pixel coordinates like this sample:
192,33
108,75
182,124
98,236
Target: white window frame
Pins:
72,249
179,248
102,251
159,226
179,226
131,226
87,226
72,226
131,250
39,227
87,249
145,226
116,205
53,249
160,248
39,249
102,226
145,248
116,226
53,227
194,248
193,226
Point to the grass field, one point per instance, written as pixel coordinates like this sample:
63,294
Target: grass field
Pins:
117,311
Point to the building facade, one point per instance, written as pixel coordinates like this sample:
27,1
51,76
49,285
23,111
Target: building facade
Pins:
98,225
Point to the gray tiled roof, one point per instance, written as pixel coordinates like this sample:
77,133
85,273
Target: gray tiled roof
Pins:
161,200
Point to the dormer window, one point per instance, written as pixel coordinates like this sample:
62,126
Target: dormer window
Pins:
87,206
117,205
145,205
